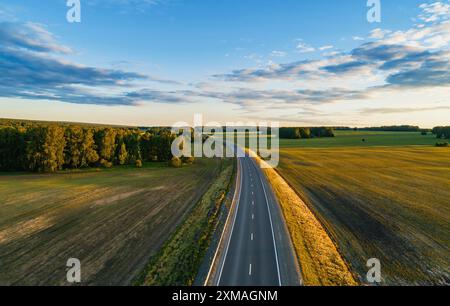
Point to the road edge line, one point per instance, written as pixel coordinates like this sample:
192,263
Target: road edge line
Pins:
227,222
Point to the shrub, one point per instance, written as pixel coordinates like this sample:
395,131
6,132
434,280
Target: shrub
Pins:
424,133
188,160
175,162
442,144
105,164
138,163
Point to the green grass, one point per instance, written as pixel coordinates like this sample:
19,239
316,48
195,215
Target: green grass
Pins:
354,139
112,220
388,201
178,262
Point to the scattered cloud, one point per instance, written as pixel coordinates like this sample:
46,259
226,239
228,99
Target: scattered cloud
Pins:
432,12
30,70
29,36
401,110
276,53
304,48
358,38
328,47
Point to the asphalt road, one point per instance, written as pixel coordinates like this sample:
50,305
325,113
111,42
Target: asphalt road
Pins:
258,251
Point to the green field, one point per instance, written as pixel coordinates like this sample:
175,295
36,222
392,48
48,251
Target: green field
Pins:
112,220
386,198
355,139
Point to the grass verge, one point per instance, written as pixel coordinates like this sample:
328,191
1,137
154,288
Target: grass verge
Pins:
178,261
320,261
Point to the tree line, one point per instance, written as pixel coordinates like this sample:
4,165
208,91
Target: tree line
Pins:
442,132
389,128
305,133
42,147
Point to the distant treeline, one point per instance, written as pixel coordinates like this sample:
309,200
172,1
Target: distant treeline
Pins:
49,147
442,132
299,132
391,128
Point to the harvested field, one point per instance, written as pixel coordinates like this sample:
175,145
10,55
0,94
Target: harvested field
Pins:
112,220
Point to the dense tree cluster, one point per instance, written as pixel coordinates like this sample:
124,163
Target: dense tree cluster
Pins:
49,147
298,132
392,128
442,132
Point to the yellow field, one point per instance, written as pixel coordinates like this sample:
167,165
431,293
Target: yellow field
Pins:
390,203
319,259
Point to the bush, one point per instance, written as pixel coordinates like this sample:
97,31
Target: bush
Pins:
424,133
175,162
105,164
138,163
442,144
188,160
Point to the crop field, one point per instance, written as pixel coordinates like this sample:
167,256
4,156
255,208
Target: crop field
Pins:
386,198
112,220
363,139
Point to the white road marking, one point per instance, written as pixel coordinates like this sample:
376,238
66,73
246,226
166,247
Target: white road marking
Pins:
271,226
250,270
253,217
251,237
232,228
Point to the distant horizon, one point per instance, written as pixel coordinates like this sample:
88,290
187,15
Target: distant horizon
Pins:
151,126
137,62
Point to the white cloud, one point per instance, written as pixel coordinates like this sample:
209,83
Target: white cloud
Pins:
378,33
434,11
304,48
276,53
328,47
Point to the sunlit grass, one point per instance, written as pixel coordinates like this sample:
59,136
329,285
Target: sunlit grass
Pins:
390,203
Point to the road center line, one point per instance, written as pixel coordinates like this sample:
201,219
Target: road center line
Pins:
271,227
252,236
250,270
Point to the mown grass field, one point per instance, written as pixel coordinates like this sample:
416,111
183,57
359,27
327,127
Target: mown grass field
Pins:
386,198
112,220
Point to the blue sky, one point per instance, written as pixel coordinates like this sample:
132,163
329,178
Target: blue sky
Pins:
149,62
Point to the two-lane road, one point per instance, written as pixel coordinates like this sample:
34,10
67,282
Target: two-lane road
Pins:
258,251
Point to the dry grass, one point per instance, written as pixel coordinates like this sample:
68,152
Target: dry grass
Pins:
178,262
389,203
320,261
112,220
